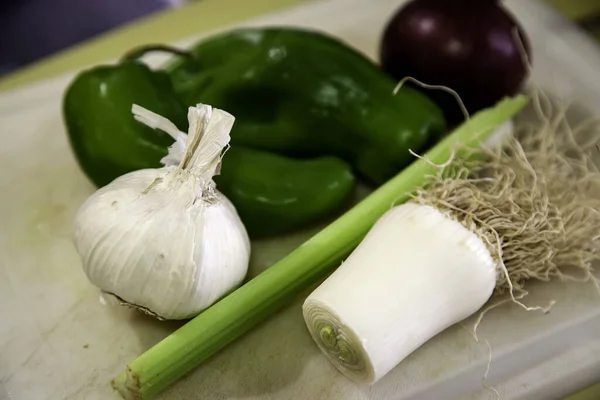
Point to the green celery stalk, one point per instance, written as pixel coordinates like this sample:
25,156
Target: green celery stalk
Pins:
228,319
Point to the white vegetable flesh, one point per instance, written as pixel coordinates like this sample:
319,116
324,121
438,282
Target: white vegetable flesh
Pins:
165,240
416,273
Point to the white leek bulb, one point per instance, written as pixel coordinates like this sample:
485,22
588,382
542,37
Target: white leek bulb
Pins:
416,273
165,240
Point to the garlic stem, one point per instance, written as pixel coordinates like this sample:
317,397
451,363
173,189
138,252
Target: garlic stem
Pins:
178,149
206,142
154,121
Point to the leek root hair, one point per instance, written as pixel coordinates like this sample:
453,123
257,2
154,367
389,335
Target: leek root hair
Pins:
535,201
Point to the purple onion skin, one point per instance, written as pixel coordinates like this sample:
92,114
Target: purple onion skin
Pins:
466,45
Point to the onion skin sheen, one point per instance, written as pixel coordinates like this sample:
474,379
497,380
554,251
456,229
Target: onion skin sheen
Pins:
416,273
469,46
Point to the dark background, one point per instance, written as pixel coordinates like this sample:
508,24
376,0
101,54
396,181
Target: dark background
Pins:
32,29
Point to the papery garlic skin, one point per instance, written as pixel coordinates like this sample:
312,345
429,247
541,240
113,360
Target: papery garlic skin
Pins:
164,240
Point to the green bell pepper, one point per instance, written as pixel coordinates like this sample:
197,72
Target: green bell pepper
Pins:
272,193
303,93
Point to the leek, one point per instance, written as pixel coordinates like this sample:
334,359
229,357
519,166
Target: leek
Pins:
523,211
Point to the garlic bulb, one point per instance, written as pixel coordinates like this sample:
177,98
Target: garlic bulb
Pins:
165,240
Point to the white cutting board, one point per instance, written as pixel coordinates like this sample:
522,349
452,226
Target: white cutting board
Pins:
57,341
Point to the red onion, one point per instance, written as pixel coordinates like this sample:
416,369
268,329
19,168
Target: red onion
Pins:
470,46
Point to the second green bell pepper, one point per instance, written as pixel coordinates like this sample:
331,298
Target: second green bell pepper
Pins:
293,92
274,194
304,93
